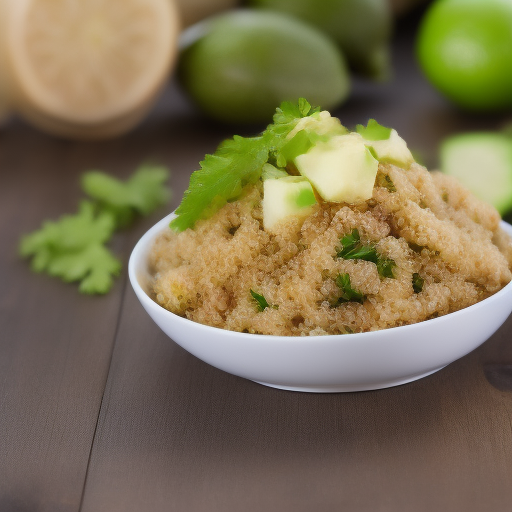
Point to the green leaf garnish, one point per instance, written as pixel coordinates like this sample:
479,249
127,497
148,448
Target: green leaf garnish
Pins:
417,282
373,131
236,163
288,111
348,294
353,249
72,248
298,145
261,302
385,267
142,193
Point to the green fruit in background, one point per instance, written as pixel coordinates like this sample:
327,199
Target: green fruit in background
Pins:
362,28
239,66
465,50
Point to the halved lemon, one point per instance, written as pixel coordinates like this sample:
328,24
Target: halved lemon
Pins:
89,63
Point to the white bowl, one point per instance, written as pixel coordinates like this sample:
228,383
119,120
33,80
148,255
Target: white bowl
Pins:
350,362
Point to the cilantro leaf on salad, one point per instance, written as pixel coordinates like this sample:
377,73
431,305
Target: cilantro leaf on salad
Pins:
353,249
261,302
237,162
348,294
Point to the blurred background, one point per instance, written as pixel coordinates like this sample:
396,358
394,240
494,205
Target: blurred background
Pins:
95,72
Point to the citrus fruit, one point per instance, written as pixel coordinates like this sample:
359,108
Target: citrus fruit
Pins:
78,66
240,65
482,162
193,11
465,50
362,28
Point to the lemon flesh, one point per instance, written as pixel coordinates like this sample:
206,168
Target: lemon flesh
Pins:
89,62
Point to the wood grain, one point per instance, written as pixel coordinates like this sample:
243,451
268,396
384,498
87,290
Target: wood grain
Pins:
100,411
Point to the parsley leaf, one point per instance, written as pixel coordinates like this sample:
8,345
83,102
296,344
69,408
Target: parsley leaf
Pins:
385,267
236,163
417,282
353,249
142,193
72,248
348,294
261,302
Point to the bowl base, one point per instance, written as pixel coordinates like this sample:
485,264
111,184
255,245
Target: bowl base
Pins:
348,388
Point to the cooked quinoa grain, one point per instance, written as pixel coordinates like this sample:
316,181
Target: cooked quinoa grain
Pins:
443,248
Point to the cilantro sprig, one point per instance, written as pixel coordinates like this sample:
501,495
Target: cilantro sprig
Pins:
347,293
236,163
353,249
73,247
261,302
417,283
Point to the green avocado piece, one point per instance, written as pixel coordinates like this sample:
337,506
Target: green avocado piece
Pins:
284,198
341,169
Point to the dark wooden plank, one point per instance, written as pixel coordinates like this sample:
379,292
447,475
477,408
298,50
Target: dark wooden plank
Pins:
55,345
176,434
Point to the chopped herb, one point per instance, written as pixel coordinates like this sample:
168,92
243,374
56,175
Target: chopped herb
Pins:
417,282
236,163
261,302
353,249
348,294
415,247
385,267
383,180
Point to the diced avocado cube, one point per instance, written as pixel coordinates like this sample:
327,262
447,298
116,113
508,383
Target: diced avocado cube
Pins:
321,123
284,198
392,151
386,145
341,170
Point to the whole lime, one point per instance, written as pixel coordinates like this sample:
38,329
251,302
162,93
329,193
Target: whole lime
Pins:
362,28
239,66
465,50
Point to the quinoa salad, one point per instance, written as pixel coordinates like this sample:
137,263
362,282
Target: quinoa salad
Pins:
388,245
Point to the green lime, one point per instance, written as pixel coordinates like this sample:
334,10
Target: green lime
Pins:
465,50
362,28
240,65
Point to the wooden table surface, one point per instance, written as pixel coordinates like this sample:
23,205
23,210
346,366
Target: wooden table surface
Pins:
100,411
